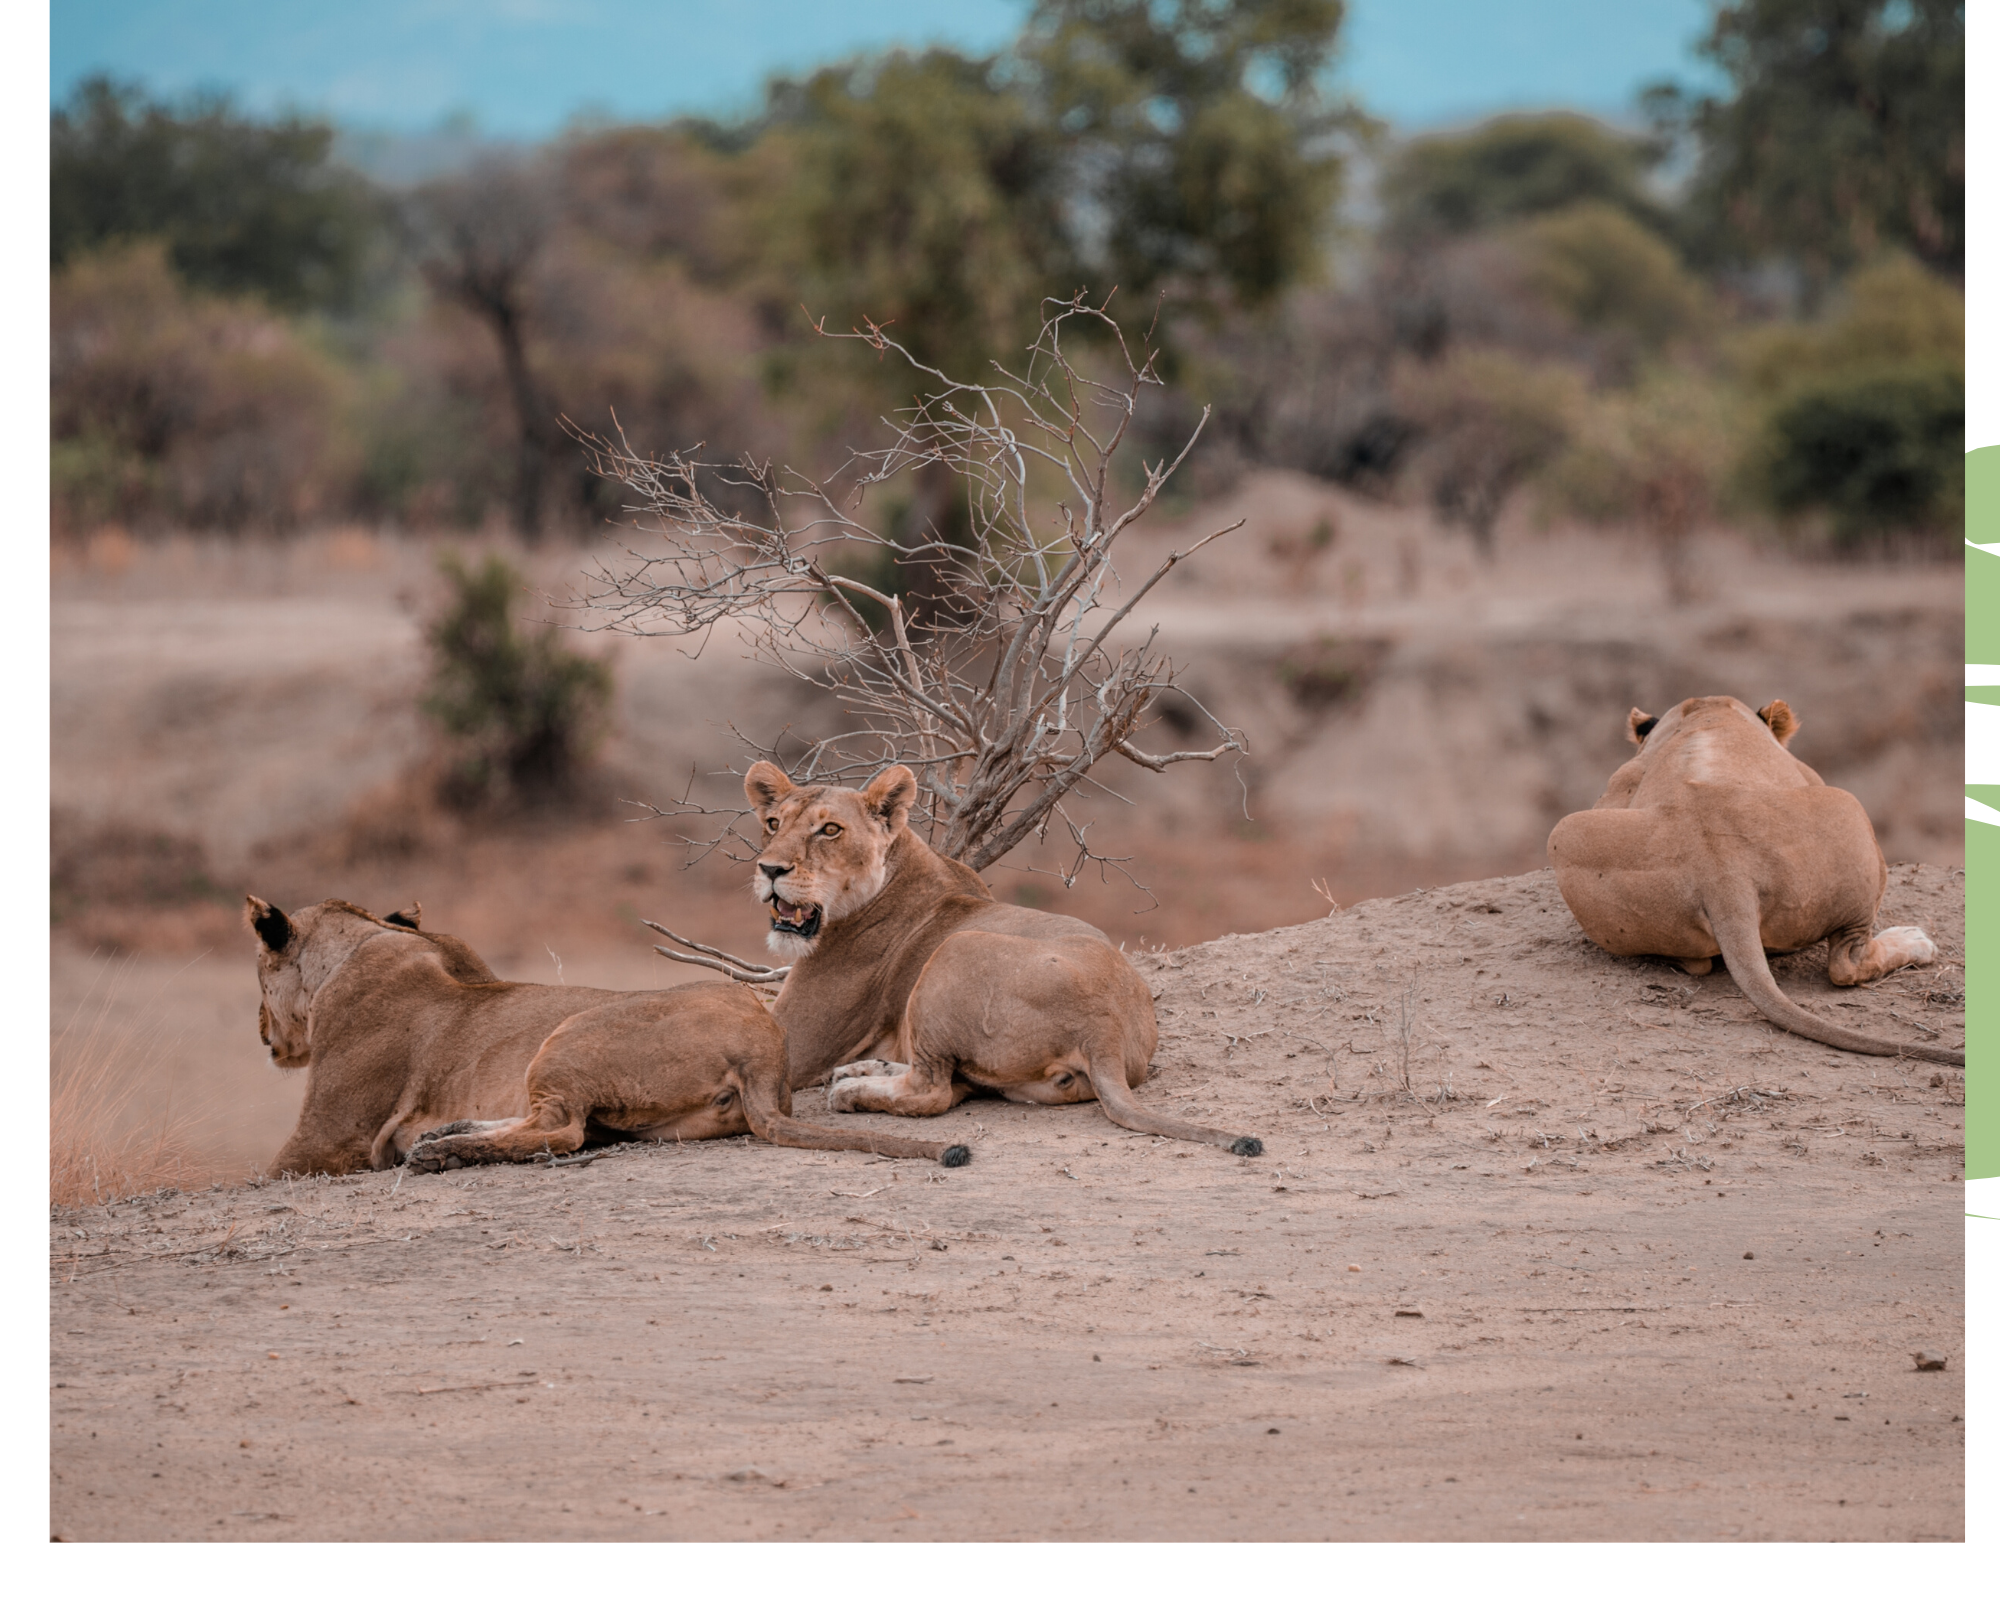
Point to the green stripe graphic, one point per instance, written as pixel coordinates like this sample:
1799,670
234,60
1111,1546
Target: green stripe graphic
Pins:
1982,839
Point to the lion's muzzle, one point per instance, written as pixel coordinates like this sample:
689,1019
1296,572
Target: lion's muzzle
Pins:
802,922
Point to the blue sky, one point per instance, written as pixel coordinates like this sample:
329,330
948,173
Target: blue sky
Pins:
522,68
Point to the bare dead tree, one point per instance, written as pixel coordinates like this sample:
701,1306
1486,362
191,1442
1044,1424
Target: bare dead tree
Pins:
480,238
1030,672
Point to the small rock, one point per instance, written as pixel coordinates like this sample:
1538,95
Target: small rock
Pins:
1937,1080
746,1475
1749,1255
1927,1360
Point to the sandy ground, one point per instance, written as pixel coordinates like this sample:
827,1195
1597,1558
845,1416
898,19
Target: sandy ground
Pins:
1547,1166
1546,1245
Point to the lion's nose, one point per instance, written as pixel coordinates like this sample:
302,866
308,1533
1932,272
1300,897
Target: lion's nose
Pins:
771,870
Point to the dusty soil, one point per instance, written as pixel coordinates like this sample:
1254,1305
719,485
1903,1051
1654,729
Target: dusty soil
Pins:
1546,1245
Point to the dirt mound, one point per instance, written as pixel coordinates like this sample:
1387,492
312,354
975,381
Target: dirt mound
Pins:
1546,1245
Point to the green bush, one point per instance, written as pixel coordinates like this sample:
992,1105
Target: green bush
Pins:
168,405
1881,452
521,709
1609,273
243,207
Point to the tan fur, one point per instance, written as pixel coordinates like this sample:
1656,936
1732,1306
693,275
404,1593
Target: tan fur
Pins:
1716,840
916,988
414,1050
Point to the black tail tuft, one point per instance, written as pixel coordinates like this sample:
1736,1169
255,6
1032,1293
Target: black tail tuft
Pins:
1247,1146
956,1155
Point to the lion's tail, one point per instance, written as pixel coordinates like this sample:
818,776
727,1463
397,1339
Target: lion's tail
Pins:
771,1120
1738,931
1107,1077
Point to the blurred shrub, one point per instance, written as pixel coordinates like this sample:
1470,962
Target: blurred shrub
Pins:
115,864
1490,422
522,710
1863,413
244,207
1891,314
1511,168
1329,672
1658,454
168,405
1610,274
1881,453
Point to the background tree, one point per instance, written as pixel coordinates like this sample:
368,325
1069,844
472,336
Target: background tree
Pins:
1513,168
1489,421
1844,134
916,192
171,407
245,207
480,238
1202,150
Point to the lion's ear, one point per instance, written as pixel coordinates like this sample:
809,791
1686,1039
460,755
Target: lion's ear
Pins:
411,916
1777,716
891,795
1638,725
266,921
765,784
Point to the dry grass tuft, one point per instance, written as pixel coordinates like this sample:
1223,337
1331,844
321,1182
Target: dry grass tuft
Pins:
98,1151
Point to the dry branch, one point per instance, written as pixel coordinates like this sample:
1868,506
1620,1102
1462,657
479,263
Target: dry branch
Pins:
1022,667
717,960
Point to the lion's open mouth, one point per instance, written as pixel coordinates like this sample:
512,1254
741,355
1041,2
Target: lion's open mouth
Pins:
801,922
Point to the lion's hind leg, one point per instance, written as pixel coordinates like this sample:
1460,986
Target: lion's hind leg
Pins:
1853,957
895,1087
547,1129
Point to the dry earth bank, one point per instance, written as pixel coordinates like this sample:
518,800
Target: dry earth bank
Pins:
1546,1245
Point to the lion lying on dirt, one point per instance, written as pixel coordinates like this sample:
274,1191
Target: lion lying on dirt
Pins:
913,987
1715,840
404,1031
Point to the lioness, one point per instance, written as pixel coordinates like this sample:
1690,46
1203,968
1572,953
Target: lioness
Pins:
913,987
402,1031
1715,840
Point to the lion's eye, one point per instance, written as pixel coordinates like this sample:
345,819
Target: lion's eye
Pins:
1064,1081
830,831
770,824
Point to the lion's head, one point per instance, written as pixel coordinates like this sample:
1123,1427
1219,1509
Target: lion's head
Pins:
287,1000
826,849
1640,728
296,953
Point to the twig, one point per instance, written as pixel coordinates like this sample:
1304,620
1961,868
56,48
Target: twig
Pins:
718,960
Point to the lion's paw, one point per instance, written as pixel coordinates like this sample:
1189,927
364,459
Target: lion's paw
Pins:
874,1067
841,1095
1907,946
433,1150
430,1155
